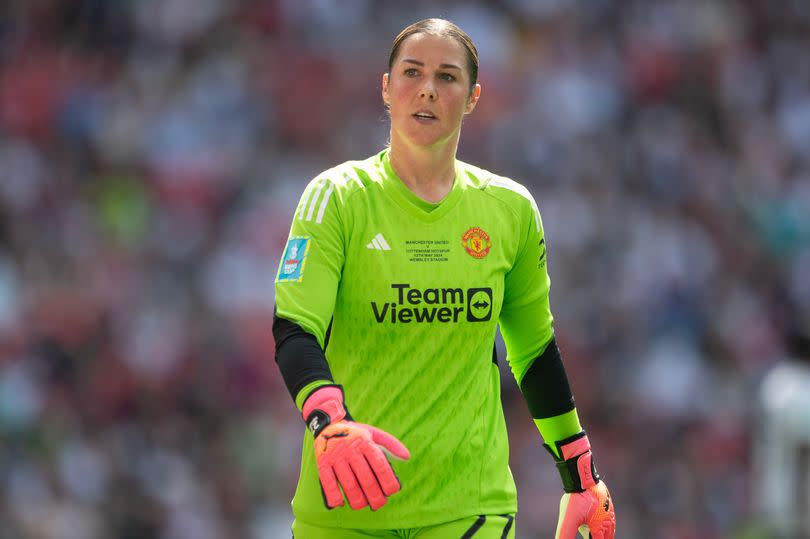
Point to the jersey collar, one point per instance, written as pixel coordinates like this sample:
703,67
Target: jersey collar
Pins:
409,201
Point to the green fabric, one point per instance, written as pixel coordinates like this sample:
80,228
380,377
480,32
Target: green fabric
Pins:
488,527
415,294
559,427
303,530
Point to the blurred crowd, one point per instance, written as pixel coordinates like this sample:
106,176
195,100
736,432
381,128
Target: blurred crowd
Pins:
152,153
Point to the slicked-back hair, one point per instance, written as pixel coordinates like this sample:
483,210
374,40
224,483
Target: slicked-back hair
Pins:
441,28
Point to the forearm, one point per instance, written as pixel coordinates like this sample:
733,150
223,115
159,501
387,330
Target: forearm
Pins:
586,504
548,395
300,359
559,427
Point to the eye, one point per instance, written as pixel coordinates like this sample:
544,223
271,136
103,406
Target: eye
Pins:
447,77
410,72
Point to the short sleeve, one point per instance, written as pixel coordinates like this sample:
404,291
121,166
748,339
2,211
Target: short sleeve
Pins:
526,320
312,261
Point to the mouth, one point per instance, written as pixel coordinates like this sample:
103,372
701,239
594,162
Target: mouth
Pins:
425,116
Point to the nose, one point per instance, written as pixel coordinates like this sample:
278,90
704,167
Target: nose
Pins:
428,92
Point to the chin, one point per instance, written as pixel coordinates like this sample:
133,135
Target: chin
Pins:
427,140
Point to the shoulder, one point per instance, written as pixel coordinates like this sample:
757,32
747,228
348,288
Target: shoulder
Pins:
506,190
495,185
339,183
349,177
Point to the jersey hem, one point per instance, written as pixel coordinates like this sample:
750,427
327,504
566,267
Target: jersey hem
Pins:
385,522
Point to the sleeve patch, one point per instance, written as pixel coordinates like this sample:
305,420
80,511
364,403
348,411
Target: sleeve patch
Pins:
292,263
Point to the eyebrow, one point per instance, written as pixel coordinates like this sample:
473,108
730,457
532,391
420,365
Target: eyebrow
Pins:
422,64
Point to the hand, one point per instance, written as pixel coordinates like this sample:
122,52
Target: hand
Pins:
586,505
591,512
350,455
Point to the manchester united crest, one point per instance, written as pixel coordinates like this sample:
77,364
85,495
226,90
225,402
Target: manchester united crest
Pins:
476,242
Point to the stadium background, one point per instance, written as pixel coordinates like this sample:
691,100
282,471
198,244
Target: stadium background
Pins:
152,153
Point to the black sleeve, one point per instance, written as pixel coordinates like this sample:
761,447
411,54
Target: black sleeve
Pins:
545,385
299,356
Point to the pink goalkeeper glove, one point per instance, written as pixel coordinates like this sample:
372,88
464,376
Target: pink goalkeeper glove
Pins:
586,505
350,455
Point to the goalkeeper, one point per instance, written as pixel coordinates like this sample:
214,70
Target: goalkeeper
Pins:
396,274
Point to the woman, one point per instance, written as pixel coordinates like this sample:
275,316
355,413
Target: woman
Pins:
396,273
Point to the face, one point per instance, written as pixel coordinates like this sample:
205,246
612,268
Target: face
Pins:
427,90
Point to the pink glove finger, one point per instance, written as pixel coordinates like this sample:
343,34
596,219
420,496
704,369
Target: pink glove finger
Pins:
351,488
598,534
389,442
368,482
331,491
600,530
574,509
382,469
602,521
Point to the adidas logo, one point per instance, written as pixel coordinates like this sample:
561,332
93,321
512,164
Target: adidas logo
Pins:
378,243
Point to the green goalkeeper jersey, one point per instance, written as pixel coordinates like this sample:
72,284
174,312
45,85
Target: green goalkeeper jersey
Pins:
414,292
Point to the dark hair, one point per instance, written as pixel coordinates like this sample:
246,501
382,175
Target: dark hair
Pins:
441,28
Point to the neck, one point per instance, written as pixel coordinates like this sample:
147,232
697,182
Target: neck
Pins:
428,172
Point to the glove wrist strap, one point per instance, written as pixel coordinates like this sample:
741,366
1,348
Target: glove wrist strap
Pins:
576,467
323,407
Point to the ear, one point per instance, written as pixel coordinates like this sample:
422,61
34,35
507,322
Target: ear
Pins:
473,99
386,99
